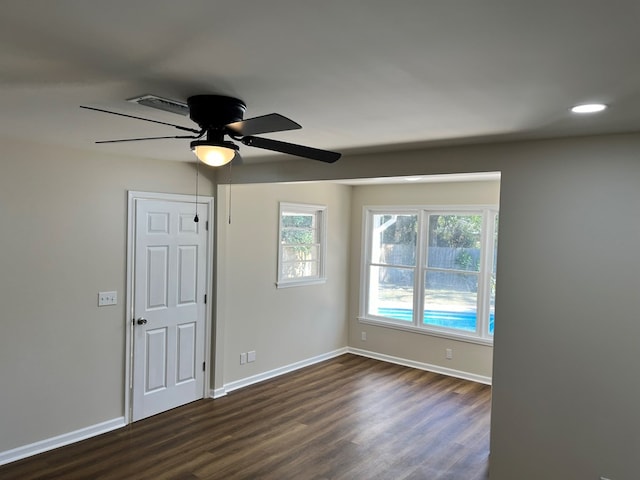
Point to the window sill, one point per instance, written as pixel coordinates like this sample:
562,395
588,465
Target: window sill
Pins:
427,331
300,283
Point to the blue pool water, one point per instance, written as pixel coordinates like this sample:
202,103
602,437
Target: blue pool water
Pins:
438,318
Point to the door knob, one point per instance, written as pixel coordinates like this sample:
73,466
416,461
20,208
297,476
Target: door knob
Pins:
141,321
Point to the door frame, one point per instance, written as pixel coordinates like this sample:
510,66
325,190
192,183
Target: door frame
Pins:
132,197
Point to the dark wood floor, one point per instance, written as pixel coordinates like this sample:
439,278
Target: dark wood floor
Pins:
347,418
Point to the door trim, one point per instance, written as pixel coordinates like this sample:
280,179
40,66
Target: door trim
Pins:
132,196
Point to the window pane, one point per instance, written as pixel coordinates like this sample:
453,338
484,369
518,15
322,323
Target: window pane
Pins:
451,300
492,286
394,239
495,247
297,220
391,293
454,242
299,269
300,253
492,304
291,235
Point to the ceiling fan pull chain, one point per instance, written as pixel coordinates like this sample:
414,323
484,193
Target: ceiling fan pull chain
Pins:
196,219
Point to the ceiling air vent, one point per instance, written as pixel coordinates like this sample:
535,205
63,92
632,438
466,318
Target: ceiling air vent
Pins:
164,104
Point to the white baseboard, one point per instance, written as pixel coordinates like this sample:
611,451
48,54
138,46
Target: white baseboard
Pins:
422,366
60,441
245,382
218,392
261,377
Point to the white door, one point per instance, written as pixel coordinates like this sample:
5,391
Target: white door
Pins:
169,306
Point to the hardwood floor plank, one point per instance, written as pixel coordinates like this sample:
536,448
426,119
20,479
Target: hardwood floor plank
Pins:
348,418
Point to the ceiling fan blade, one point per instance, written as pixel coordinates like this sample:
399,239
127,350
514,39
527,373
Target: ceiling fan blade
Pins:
179,127
143,138
292,149
273,122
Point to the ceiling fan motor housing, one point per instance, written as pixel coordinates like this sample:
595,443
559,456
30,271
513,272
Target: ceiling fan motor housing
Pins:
213,112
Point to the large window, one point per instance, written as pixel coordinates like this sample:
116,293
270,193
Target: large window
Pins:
431,270
301,250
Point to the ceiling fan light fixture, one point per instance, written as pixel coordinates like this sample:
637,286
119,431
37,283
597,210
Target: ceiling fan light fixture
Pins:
214,154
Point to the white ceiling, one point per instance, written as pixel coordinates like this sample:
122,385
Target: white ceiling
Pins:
358,75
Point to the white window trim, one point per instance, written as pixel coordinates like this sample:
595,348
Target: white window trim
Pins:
481,336
304,208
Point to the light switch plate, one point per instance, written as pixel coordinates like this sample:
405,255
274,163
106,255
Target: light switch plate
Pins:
107,298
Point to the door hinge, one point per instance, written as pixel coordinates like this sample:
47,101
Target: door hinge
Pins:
206,225
205,298
203,365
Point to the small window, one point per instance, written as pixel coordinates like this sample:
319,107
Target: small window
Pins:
301,250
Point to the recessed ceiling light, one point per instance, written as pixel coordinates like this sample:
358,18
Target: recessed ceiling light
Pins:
589,108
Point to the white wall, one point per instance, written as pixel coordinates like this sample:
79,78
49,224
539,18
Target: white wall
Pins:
285,325
567,351
63,217
469,359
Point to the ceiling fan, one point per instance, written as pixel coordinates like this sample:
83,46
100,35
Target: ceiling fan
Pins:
218,117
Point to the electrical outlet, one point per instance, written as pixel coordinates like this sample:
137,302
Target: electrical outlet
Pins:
363,336
107,298
243,358
251,356
448,353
